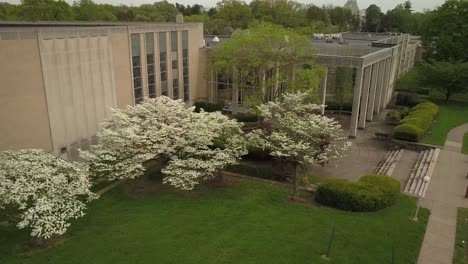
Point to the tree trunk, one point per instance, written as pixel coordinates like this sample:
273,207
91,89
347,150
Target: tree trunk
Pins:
295,184
447,97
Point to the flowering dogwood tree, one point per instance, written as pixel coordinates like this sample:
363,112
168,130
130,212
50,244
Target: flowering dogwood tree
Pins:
193,146
297,134
47,191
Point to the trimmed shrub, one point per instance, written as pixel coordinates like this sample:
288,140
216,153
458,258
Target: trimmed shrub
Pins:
415,125
332,105
255,171
371,193
208,107
245,117
393,116
404,112
408,132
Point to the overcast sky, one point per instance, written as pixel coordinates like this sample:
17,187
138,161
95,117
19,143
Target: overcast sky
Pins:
418,5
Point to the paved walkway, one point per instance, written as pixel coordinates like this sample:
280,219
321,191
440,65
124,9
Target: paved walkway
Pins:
444,195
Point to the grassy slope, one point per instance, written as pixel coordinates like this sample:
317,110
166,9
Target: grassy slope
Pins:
465,144
250,223
450,115
460,254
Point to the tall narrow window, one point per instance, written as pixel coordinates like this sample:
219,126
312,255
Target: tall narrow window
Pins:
150,64
175,66
185,67
163,62
136,66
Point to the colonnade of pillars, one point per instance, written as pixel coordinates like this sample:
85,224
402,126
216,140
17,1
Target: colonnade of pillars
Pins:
371,93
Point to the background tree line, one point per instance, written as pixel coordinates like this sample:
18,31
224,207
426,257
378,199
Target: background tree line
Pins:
225,18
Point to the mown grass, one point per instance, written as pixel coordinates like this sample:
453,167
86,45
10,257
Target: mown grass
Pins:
246,223
460,254
451,115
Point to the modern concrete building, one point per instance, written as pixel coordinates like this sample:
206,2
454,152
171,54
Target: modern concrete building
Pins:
59,81
377,60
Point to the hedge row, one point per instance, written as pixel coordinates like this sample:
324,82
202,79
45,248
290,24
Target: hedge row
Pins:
416,124
371,193
208,107
245,117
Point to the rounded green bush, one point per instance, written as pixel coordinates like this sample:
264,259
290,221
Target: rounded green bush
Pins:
370,193
408,132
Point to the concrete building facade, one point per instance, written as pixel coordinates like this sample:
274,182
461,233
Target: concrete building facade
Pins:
60,81
377,60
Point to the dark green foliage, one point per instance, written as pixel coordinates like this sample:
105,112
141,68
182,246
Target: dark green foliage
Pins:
444,32
407,99
404,111
371,193
252,170
415,125
207,107
257,154
245,117
408,132
346,106
393,116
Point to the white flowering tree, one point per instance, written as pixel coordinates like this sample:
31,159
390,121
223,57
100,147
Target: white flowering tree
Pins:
192,146
296,133
45,191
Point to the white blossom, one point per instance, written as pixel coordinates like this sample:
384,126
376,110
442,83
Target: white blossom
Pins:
194,146
48,191
298,133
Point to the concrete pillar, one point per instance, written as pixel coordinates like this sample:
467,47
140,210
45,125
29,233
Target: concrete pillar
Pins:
386,77
378,94
372,92
356,103
323,90
365,97
386,86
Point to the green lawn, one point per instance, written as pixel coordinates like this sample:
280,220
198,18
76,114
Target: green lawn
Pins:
451,115
465,144
247,223
460,254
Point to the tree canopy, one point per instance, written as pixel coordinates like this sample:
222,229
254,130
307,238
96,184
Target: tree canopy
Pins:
446,77
297,134
445,32
190,146
46,191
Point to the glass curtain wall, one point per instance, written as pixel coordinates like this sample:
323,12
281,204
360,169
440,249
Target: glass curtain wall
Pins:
175,66
136,67
163,62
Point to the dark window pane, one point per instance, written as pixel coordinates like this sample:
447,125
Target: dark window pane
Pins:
136,61
185,79
163,56
175,83
136,72
163,76
138,93
185,71
164,93
152,90
151,79
163,67
150,59
137,83
174,64
150,69
185,53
